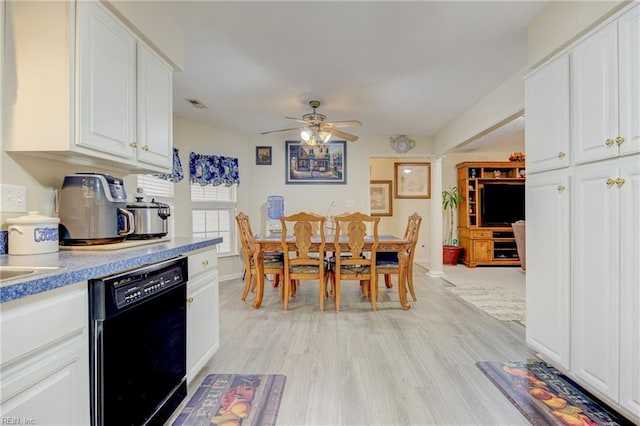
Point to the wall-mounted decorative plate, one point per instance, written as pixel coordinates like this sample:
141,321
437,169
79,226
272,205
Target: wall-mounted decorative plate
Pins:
402,144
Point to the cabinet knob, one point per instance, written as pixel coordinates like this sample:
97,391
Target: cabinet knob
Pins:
561,188
610,182
145,148
133,144
608,142
619,140
190,300
205,262
561,154
619,182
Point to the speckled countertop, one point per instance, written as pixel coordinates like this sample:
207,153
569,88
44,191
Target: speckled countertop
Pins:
76,266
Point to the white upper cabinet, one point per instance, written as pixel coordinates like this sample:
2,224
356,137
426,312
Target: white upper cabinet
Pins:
547,108
98,94
107,90
604,91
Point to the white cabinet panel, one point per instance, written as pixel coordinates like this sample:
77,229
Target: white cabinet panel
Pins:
548,265
630,285
629,48
595,276
155,109
594,96
547,136
106,107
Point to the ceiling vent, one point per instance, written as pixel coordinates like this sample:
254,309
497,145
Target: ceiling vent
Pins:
196,103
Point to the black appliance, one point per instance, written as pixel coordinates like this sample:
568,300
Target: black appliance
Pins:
138,344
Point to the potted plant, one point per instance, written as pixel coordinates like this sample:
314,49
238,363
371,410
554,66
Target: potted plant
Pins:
450,200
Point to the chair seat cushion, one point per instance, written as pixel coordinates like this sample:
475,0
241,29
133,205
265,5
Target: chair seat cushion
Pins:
304,269
387,265
277,264
355,269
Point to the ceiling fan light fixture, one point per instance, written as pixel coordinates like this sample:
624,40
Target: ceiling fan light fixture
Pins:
305,134
325,136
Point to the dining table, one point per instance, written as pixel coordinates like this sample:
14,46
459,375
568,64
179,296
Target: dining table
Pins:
386,243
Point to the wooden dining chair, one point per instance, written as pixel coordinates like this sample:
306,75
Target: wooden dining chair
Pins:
272,263
360,265
305,259
387,263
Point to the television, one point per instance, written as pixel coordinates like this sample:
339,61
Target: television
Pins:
502,204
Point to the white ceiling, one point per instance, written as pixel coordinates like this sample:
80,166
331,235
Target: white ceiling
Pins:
399,67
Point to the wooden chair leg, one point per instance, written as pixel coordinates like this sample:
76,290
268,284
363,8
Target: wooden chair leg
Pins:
276,281
410,283
247,285
387,281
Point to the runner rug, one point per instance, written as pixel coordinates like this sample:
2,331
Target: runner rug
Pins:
547,397
234,399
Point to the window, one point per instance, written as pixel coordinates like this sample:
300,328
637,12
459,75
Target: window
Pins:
213,211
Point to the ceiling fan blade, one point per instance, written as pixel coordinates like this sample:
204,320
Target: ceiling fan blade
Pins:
281,130
297,119
347,123
341,134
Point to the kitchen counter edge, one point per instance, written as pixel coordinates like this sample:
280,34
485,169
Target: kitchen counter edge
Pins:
77,266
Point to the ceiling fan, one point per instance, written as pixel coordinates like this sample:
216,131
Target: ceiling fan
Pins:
317,129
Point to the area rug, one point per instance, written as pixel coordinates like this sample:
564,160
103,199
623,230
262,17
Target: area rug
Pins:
547,397
234,399
500,292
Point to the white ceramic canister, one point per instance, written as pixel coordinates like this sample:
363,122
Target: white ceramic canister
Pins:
33,234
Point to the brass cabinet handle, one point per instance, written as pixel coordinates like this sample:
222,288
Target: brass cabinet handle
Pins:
619,140
561,154
145,148
608,142
205,262
133,144
190,300
610,182
560,188
619,182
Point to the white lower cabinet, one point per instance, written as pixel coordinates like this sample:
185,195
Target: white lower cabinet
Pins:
45,358
203,326
548,265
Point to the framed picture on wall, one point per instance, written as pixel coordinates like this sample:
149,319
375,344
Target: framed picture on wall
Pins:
413,180
263,155
323,163
380,198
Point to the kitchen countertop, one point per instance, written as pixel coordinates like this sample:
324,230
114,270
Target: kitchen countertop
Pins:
76,266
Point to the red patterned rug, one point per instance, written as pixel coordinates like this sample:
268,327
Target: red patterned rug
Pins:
547,397
234,399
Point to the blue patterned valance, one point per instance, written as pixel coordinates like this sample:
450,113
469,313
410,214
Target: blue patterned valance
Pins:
213,170
177,174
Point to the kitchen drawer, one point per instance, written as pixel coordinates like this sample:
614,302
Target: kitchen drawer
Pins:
481,234
42,320
202,261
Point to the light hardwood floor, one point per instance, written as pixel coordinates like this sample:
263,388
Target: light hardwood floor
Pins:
358,367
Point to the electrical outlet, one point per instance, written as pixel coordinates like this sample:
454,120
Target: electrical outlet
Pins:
13,198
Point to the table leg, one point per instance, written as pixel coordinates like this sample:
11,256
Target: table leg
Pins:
258,261
403,263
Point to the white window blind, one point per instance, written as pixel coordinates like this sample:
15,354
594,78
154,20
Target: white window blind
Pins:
155,187
213,214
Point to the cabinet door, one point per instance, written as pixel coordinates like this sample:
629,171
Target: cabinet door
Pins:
107,82
594,96
547,134
203,334
548,265
630,284
629,41
595,301
481,250
155,110
52,389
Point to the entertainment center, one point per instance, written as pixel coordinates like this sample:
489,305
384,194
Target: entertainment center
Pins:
493,199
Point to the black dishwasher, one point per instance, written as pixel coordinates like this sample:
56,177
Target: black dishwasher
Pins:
138,344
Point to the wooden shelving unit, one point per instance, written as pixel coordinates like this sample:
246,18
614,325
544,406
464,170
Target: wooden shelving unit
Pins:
494,245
